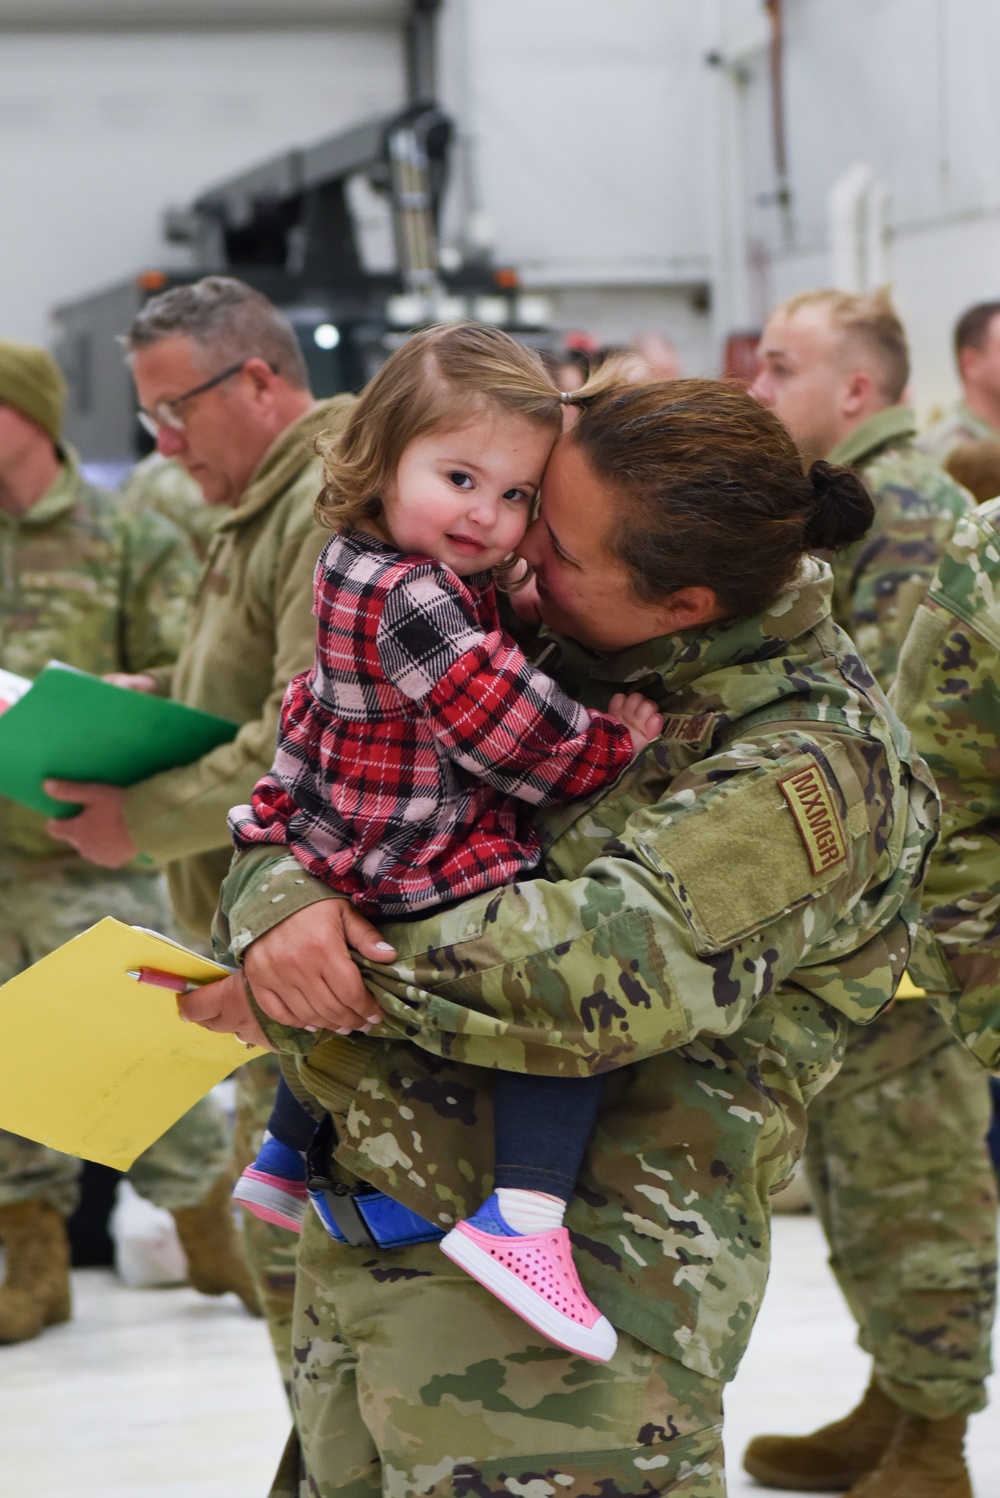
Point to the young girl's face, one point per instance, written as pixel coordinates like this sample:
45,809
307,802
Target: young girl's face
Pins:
464,496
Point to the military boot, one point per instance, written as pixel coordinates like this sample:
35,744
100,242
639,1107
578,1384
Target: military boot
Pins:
214,1252
924,1459
832,1458
35,1292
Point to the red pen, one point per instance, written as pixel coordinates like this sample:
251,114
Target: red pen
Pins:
156,978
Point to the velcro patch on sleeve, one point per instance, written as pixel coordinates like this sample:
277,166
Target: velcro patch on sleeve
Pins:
741,858
816,817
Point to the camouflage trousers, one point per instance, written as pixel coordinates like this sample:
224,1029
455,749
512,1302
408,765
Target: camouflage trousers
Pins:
408,1378
270,1251
898,1165
38,912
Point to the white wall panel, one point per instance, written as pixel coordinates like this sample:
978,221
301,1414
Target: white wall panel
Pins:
99,132
588,122
910,87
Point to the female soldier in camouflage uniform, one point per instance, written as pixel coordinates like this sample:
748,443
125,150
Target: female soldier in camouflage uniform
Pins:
705,929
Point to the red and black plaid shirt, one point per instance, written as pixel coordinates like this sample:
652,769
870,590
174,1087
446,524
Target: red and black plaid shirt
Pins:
406,755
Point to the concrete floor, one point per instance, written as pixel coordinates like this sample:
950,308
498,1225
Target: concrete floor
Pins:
163,1394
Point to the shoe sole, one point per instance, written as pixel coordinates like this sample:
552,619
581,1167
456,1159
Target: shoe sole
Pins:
271,1204
774,1477
597,1343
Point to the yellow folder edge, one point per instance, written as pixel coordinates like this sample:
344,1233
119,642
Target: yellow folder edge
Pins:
909,990
96,1064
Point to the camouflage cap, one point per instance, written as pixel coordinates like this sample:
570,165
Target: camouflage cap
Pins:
31,381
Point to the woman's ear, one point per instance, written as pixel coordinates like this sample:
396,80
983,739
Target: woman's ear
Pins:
689,608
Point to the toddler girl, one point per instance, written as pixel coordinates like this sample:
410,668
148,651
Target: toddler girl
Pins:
410,754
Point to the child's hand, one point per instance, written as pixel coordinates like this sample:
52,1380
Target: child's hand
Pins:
641,717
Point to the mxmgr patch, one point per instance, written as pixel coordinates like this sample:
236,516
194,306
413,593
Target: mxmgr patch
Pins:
808,798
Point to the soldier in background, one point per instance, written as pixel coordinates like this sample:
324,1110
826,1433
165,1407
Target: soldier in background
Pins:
948,691
160,486
104,593
223,384
976,466
896,1154
976,417
834,368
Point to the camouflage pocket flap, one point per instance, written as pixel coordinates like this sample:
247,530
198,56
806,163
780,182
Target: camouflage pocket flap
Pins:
762,844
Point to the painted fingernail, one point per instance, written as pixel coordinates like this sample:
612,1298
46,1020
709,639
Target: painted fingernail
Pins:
384,946
341,1032
311,1028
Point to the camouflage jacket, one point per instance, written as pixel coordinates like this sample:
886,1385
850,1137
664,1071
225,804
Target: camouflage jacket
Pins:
940,439
251,630
85,584
703,929
948,688
160,485
880,580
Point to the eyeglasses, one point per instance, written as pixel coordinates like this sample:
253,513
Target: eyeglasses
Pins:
166,414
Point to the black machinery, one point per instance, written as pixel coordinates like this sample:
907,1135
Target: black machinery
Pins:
341,235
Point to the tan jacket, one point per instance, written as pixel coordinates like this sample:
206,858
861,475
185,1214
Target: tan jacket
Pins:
84,583
251,631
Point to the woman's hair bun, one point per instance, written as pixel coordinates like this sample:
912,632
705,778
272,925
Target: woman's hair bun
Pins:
842,509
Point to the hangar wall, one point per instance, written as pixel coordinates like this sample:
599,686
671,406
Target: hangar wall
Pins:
100,130
620,156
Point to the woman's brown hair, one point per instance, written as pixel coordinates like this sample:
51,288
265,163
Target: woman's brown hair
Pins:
440,378
709,490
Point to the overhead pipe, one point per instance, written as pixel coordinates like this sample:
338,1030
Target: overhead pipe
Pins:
783,195
421,57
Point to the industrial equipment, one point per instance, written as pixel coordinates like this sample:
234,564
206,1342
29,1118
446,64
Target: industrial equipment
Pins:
341,235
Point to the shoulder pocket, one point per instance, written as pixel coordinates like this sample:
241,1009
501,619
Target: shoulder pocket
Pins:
762,844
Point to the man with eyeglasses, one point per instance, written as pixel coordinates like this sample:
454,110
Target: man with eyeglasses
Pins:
222,384
105,592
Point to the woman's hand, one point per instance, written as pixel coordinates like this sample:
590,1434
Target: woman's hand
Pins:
641,717
302,973
224,1007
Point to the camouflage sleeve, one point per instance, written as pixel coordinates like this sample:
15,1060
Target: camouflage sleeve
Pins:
661,937
160,573
158,810
948,691
881,580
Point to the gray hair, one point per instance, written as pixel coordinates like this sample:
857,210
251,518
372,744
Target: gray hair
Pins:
227,317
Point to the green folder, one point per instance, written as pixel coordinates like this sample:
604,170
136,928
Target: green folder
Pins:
71,726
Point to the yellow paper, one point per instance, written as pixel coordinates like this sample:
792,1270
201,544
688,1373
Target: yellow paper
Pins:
96,1064
908,989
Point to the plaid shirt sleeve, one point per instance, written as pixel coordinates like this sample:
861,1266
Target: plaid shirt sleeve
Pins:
490,710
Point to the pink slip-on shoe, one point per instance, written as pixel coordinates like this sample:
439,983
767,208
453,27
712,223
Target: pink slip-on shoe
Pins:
533,1274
